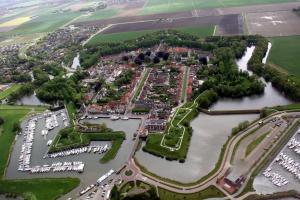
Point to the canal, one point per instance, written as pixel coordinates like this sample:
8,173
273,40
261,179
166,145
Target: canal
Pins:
211,132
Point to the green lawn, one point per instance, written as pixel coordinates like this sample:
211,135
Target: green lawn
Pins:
71,111
112,152
44,189
40,189
159,6
10,90
118,37
255,143
210,192
44,23
123,36
284,53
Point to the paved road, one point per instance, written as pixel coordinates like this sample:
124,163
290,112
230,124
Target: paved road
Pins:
212,180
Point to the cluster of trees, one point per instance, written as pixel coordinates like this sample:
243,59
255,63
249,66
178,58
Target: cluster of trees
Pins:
40,76
92,53
25,90
62,89
225,78
207,98
242,126
21,77
1,121
124,78
283,82
58,89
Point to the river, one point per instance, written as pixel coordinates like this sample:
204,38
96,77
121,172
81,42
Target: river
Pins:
271,97
76,62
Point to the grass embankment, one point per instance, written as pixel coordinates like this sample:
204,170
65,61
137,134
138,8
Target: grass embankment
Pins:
10,90
255,143
117,138
71,112
112,152
185,83
35,188
123,36
210,192
158,6
284,53
141,84
295,106
70,138
174,143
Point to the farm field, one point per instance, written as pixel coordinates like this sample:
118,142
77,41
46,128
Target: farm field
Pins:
284,53
119,37
8,91
100,14
38,25
158,6
32,189
15,22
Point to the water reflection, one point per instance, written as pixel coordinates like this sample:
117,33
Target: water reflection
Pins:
209,135
271,96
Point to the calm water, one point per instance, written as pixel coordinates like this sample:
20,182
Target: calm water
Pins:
271,96
93,168
211,132
31,100
76,62
209,135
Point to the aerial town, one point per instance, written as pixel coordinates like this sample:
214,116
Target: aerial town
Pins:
146,99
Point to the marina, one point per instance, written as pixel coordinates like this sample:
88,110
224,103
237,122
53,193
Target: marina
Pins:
207,128
283,173
76,151
92,167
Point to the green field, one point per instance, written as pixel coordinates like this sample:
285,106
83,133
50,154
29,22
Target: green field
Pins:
210,192
37,189
40,189
284,53
10,90
158,6
255,143
100,14
123,36
44,23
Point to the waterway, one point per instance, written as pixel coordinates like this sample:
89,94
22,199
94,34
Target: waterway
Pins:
211,132
271,96
209,135
76,62
31,100
93,168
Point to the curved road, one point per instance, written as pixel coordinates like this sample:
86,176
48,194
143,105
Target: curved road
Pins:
139,175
